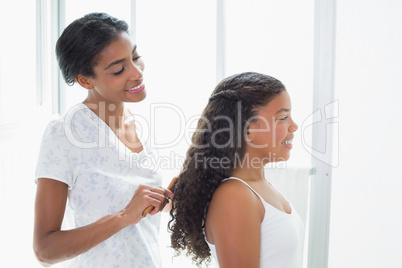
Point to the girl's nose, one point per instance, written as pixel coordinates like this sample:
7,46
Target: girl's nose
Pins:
293,127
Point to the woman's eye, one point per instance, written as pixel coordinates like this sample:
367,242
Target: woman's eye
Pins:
119,72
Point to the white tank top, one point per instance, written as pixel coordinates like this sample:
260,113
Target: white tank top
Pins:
282,237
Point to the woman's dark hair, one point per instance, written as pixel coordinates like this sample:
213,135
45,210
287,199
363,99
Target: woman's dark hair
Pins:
80,43
217,147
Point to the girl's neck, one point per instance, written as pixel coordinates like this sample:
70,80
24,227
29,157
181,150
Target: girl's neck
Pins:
248,173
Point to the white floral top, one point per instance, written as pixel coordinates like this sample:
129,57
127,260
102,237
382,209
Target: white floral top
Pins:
102,174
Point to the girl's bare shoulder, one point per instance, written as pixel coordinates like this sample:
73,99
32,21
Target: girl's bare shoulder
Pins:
232,197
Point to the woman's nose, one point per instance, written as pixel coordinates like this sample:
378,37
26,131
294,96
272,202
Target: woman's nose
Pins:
136,71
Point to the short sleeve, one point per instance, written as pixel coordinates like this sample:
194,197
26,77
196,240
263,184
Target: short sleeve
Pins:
58,158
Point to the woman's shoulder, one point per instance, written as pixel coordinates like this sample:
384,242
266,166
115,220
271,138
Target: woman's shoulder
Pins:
71,125
55,128
68,117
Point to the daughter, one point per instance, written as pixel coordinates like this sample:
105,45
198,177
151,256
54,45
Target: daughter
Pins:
223,204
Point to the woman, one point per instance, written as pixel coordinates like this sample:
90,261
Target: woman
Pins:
92,156
223,203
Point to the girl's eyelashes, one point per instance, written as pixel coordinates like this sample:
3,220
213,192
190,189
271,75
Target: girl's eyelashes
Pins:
283,117
136,58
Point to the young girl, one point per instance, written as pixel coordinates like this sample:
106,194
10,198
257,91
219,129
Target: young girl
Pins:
91,156
223,203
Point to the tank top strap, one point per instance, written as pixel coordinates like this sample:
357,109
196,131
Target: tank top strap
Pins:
237,179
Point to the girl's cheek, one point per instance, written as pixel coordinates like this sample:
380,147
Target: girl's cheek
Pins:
280,133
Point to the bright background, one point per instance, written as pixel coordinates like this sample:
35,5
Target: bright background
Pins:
186,52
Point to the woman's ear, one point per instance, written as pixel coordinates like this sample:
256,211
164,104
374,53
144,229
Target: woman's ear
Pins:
249,133
84,81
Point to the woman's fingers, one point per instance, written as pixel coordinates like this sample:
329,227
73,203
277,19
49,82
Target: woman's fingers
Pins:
153,198
163,196
168,194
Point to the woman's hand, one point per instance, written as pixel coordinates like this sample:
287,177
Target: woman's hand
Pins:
144,197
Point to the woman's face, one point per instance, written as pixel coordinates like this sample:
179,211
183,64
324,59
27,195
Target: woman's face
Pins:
271,131
118,73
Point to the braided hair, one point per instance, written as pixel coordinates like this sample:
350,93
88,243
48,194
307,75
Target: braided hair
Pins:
217,144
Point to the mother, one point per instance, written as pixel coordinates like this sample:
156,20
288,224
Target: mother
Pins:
92,155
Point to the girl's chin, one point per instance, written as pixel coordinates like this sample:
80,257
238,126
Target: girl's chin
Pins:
281,158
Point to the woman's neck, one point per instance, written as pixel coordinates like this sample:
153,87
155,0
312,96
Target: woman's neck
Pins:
113,114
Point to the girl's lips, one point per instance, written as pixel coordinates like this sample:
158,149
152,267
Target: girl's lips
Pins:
137,89
287,144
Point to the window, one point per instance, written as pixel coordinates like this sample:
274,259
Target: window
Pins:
18,139
276,38
17,61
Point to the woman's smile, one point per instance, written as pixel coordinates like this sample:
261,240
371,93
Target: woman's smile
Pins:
136,89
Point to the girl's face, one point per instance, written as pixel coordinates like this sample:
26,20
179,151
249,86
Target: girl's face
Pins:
118,74
271,131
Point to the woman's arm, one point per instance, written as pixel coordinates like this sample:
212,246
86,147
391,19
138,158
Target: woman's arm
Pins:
233,224
51,245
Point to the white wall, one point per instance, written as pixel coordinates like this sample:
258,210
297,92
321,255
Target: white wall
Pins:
366,214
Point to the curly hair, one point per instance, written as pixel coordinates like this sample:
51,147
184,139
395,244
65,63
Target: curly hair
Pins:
217,144
80,43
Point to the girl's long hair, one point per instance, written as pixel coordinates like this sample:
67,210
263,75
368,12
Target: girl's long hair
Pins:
217,147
